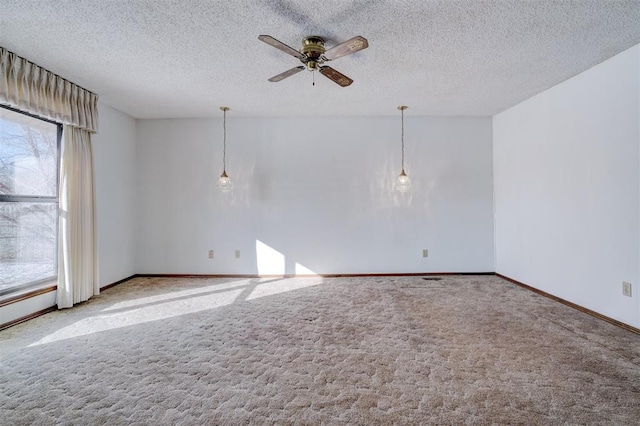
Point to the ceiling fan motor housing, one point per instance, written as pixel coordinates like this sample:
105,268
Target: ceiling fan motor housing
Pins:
313,47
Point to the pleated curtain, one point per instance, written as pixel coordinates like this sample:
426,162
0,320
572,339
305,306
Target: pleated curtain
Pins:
77,241
30,88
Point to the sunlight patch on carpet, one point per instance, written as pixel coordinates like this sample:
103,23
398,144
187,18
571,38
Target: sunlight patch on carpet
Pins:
178,294
129,317
282,286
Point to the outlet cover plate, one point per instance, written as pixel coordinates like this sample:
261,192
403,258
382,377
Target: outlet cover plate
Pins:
626,289
237,254
425,253
210,254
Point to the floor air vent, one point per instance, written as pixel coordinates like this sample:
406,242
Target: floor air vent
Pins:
431,278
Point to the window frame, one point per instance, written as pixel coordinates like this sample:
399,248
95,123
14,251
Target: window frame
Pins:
49,199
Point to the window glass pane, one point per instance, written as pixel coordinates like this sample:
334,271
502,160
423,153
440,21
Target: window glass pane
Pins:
28,155
27,242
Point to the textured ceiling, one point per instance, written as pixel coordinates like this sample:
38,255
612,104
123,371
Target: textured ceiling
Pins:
178,58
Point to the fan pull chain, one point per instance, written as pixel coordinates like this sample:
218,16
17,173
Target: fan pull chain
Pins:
313,74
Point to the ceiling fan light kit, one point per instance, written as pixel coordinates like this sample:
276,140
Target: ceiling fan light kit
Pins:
314,55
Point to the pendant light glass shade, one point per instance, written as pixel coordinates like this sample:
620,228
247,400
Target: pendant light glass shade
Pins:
224,182
403,183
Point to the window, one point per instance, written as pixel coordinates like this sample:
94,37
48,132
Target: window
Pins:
29,165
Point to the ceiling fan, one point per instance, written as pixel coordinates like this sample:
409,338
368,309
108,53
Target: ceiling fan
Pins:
313,55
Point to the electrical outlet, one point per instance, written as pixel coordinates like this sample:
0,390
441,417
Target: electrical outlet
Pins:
425,253
210,254
237,254
626,289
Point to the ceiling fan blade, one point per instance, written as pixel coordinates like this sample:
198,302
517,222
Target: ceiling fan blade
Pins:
280,45
286,74
335,76
348,47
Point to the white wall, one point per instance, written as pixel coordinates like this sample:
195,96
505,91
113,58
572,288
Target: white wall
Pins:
567,189
314,195
114,152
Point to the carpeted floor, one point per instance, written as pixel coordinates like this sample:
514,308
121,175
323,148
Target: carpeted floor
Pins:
461,350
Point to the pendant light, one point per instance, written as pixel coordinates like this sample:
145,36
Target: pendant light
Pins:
224,183
403,183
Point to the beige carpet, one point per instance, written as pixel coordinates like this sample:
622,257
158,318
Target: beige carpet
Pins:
462,350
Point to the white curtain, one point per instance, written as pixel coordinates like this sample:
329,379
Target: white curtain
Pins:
28,87
77,254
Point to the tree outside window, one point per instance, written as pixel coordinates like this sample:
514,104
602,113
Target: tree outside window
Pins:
29,164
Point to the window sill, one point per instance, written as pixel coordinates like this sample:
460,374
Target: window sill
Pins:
27,293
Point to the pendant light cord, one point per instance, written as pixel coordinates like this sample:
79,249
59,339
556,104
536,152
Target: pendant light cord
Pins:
224,142
402,138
